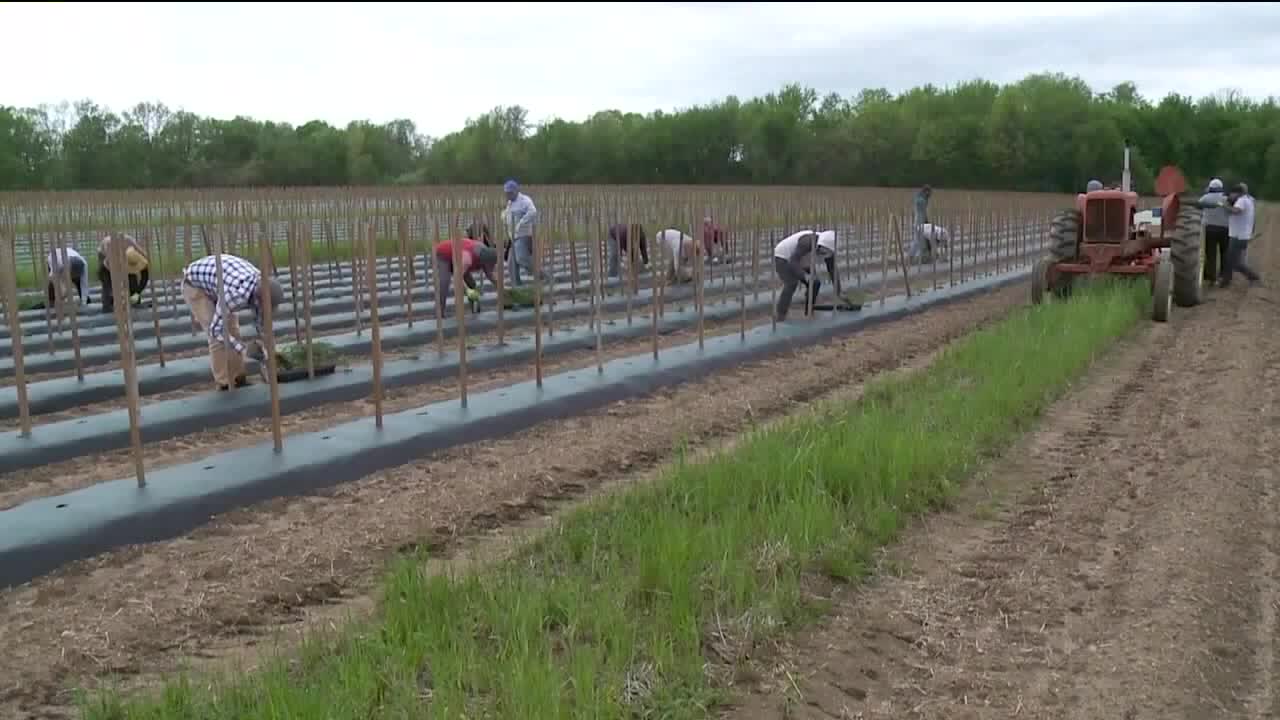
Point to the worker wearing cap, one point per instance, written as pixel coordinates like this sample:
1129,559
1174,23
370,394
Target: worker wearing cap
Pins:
241,290
922,205
77,268
137,270
520,218
1093,186
618,239
1216,237
476,255
1240,209
792,262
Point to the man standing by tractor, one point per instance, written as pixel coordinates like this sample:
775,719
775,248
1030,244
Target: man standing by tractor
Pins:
1216,236
1239,208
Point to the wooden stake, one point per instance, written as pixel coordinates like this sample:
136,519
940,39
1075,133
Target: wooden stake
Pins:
75,307
307,277
773,284
547,251
155,301
461,313
431,263
699,297
120,289
267,337
597,278
291,232
356,263
573,269
884,260
406,271
217,263
8,268
537,313
632,239
499,277
375,327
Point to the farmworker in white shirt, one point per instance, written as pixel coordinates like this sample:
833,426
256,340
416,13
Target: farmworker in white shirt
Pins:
77,268
792,261
1239,207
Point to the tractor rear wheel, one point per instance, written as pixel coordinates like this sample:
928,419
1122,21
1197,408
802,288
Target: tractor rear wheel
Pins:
1064,235
1162,291
1186,250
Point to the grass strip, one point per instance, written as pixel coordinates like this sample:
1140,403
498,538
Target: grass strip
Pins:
630,604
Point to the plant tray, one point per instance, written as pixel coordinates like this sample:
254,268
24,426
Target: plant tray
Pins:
295,374
841,307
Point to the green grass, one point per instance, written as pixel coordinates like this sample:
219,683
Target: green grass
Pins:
606,616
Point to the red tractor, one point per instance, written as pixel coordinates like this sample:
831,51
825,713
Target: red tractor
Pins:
1105,234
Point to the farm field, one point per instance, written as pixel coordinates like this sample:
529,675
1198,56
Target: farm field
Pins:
267,548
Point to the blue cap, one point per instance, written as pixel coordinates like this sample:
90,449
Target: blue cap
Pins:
511,186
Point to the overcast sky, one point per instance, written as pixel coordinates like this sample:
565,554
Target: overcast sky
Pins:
438,64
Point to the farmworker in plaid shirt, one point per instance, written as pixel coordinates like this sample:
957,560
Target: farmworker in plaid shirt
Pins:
241,289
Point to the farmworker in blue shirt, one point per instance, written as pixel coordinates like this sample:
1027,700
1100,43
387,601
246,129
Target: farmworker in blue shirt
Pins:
520,218
920,219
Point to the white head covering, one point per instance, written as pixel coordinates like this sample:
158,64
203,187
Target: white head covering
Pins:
827,239
1215,184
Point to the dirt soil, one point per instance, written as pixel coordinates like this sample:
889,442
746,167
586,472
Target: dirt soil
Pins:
229,588
1121,562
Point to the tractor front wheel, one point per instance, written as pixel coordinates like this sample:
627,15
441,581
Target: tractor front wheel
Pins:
1186,252
1162,291
1040,280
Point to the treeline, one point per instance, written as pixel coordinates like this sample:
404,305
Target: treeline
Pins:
1044,133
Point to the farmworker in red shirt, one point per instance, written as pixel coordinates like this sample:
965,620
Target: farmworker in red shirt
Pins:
714,240
476,255
618,245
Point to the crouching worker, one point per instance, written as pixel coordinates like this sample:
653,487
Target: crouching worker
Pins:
792,261
680,248
931,239
77,268
618,239
241,290
475,256
138,270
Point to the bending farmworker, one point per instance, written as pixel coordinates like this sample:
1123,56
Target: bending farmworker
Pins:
792,261
241,290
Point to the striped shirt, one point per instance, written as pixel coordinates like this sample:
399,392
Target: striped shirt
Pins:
240,288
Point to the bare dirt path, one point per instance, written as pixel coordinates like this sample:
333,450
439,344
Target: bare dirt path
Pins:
1120,563
226,589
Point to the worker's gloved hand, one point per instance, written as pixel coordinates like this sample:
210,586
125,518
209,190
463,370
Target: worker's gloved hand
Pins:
254,351
473,295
